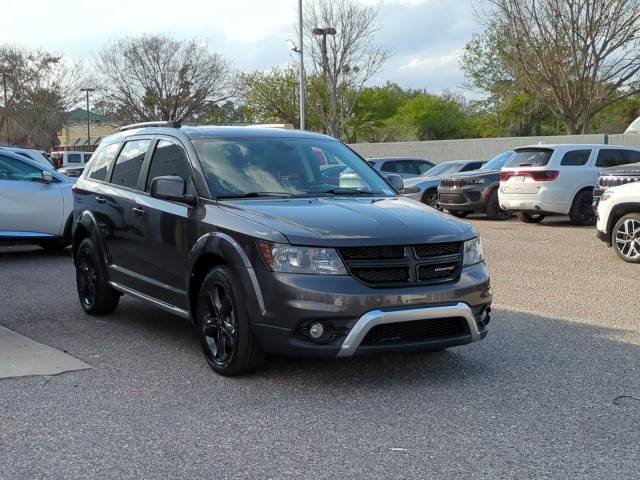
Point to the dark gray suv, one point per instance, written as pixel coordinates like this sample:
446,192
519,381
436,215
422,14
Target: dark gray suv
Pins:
237,230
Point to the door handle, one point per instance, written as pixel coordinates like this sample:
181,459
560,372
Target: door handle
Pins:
100,199
138,210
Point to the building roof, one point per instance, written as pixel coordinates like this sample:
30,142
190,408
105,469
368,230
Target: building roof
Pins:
80,115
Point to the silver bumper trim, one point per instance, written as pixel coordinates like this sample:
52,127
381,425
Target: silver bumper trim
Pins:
378,317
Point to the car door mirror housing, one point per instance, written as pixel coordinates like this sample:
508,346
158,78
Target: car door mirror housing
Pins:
171,188
395,181
47,177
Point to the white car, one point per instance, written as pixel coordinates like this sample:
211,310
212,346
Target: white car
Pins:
546,180
36,203
70,158
619,220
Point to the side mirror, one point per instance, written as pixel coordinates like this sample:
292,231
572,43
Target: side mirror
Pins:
173,189
47,177
395,181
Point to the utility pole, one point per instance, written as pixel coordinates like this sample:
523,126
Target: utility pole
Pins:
6,109
325,70
88,90
301,51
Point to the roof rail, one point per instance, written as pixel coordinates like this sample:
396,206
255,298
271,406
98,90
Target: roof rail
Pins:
167,123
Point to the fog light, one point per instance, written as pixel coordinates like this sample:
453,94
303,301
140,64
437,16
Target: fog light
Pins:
316,331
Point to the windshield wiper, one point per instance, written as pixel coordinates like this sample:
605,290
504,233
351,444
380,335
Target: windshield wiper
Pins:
350,191
256,195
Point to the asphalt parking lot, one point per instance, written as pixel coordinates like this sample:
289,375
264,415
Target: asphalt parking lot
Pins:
553,392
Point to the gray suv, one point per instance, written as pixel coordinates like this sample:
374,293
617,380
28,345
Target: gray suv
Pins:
237,230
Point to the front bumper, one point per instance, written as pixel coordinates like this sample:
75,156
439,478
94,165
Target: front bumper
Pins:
351,309
462,199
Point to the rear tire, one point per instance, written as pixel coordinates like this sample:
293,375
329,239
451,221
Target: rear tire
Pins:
493,209
581,212
223,326
527,217
626,238
459,214
430,198
96,296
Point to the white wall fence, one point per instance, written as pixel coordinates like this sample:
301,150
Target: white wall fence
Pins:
480,148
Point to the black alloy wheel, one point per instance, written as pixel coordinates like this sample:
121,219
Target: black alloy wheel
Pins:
96,296
223,326
582,209
493,209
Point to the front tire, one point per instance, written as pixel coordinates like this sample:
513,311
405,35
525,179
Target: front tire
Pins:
430,198
96,296
225,335
527,217
493,209
581,212
626,238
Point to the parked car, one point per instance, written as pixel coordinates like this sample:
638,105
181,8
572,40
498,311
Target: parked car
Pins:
70,158
475,192
235,229
425,188
70,171
619,220
35,203
405,167
558,179
39,156
614,176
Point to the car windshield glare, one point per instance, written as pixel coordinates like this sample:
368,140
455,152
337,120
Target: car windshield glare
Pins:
496,163
267,167
442,169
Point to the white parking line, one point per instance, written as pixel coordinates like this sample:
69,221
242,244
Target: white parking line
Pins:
20,356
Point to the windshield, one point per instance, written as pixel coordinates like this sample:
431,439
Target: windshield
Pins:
443,169
534,157
496,163
284,166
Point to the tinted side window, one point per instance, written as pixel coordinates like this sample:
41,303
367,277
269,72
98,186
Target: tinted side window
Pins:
389,167
74,158
127,168
610,157
576,158
14,169
102,159
631,156
168,159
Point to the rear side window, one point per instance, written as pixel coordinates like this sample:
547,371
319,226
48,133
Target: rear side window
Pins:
103,158
127,168
74,158
610,157
423,167
535,157
169,159
631,156
576,158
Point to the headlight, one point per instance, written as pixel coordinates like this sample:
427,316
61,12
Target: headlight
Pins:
472,252
407,190
607,195
287,258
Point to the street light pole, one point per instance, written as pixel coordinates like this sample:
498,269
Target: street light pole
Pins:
301,51
88,90
6,108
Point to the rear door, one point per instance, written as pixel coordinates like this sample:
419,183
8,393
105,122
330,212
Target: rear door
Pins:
28,207
159,227
116,202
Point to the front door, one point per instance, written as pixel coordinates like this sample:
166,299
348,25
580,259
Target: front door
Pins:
28,206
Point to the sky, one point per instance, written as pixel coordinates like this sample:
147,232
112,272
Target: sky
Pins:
426,37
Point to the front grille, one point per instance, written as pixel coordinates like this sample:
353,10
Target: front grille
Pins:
416,330
397,265
381,274
435,249
452,183
607,181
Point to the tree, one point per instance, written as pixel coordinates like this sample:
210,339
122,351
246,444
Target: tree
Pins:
576,56
273,95
343,62
39,88
157,77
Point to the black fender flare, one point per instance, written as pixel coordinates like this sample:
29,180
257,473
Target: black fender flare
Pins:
224,246
88,222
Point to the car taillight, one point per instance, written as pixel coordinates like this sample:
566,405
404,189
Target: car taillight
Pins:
74,187
535,175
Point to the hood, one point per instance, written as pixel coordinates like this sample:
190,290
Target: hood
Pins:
631,168
477,174
348,221
421,181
